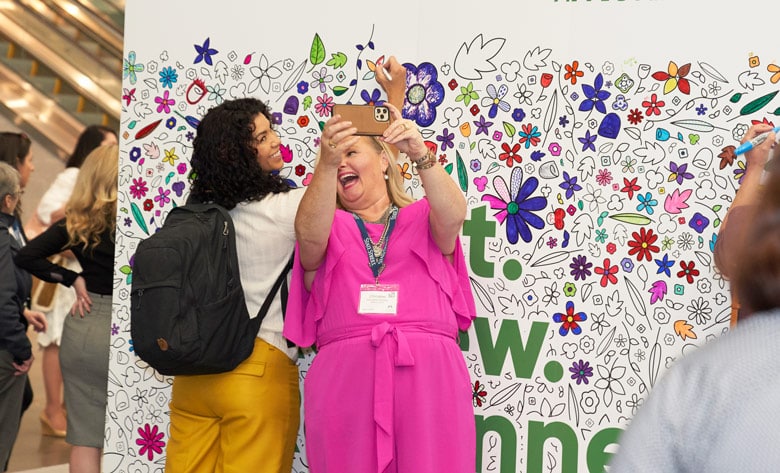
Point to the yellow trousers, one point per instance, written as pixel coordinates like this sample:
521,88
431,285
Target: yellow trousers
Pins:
245,420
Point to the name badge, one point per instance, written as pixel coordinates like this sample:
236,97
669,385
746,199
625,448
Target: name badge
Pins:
378,299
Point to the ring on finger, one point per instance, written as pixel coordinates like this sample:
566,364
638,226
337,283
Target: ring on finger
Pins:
332,144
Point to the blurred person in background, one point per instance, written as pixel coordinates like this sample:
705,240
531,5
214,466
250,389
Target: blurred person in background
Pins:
88,231
54,297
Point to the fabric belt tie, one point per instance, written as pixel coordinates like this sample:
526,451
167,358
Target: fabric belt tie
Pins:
385,361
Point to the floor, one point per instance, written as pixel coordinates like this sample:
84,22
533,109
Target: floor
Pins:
33,452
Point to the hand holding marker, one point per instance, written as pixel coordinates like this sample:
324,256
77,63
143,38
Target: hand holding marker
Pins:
748,145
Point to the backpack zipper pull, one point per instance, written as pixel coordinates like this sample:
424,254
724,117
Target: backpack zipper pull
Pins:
225,233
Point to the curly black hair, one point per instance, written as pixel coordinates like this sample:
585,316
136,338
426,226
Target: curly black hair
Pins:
224,161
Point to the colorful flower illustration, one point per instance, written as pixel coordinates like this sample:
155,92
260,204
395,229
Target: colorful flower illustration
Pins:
570,320
423,93
529,135
569,184
581,371
594,96
675,78
204,52
150,441
573,72
495,99
510,155
580,267
478,394
130,70
516,206
653,106
642,245
607,272
688,271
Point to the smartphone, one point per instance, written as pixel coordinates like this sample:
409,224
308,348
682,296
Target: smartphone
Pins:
368,119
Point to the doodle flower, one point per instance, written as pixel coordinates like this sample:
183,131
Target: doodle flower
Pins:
581,371
130,68
594,96
653,106
529,135
642,244
607,273
495,100
515,206
150,441
204,52
675,78
572,72
510,154
478,394
423,93
569,320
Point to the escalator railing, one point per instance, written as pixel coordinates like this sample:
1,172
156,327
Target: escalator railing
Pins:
66,59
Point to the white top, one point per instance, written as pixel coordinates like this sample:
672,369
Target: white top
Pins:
57,194
265,239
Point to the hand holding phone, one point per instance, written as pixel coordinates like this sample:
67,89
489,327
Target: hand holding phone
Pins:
370,120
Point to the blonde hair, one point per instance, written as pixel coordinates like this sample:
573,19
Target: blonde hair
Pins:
394,182
91,209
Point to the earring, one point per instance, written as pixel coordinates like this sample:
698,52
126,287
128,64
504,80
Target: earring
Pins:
387,178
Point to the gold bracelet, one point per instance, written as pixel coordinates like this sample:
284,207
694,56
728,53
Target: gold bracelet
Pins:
426,162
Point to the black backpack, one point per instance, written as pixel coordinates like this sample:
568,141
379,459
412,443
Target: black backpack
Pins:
187,309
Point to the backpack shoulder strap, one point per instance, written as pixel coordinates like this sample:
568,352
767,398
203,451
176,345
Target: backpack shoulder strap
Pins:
281,281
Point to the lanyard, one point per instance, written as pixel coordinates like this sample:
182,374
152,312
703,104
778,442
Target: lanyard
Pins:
376,252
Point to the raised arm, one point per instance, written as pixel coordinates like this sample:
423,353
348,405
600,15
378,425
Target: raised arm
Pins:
740,213
318,205
448,205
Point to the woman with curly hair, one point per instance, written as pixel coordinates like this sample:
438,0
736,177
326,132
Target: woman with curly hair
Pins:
88,231
245,419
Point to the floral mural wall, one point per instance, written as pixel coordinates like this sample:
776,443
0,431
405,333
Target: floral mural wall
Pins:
596,189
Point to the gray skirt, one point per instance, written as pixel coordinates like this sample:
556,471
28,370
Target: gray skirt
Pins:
84,363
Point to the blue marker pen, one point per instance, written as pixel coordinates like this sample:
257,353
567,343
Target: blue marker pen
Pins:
748,145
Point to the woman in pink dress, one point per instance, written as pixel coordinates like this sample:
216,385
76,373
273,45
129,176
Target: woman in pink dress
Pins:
381,287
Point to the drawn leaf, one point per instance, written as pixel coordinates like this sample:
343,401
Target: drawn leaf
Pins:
138,217
683,329
632,132
295,77
483,296
634,219
694,125
757,104
551,112
606,342
317,51
636,298
654,363
339,90
504,395
712,72
553,258
509,129
337,60
463,177
573,406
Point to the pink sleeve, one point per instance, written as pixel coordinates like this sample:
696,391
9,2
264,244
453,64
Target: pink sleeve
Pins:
453,278
299,325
